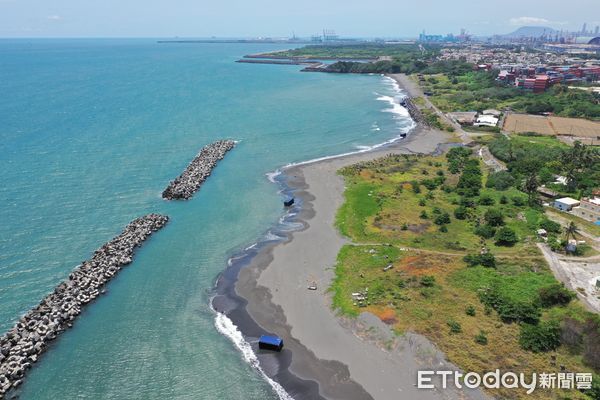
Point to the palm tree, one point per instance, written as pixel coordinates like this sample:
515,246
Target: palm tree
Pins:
570,231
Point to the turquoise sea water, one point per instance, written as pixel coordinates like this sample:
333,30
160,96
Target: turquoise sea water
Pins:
91,131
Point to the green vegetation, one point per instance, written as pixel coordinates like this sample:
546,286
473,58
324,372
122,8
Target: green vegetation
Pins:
478,90
359,51
544,336
479,280
538,160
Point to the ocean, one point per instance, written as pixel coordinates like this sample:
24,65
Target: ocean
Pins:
91,132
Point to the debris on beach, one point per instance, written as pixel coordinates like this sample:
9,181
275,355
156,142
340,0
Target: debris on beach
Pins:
188,183
361,299
22,345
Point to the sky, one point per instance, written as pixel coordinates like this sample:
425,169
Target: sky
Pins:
276,18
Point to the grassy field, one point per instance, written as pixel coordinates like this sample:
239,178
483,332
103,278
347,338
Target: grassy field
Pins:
410,271
551,126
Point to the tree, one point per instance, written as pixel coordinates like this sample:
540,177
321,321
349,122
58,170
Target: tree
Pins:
530,187
442,219
576,160
501,180
494,217
570,231
461,212
506,237
485,231
486,200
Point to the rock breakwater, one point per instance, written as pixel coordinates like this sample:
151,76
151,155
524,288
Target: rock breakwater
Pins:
184,186
414,111
21,346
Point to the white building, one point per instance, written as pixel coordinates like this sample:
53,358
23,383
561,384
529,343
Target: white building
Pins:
486,120
566,203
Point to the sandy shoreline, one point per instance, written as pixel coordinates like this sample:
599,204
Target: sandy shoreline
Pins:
349,359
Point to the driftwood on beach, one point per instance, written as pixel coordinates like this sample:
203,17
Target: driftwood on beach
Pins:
21,346
184,186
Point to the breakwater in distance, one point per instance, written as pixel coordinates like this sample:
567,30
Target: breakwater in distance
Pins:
186,184
21,346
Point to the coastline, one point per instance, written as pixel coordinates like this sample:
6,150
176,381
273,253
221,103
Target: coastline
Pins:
325,356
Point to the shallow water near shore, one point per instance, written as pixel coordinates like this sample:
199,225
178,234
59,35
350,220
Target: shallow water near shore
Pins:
91,132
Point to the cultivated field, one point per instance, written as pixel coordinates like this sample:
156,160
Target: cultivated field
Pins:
552,126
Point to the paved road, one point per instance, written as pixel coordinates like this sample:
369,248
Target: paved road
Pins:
414,90
491,161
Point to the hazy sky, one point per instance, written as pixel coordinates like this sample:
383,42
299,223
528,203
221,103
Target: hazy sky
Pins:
200,18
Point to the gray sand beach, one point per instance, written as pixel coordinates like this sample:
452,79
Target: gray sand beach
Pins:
350,359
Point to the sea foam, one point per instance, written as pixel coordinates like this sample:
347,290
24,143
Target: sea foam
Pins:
226,327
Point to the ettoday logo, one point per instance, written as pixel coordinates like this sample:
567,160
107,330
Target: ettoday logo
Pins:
508,380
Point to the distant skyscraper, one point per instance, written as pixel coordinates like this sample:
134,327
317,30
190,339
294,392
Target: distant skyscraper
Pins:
584,29
597,30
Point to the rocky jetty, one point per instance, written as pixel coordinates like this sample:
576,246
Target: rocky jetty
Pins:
21,346
197,171
414,111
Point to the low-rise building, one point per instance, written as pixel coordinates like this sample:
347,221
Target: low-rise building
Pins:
464,118
491,111
588,209
486,120
566,203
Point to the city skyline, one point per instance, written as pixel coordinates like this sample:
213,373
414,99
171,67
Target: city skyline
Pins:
234,18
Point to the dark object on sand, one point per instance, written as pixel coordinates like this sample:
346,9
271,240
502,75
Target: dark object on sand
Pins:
289,202
267,342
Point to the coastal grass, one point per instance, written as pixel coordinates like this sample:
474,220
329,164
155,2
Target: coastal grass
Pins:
429,289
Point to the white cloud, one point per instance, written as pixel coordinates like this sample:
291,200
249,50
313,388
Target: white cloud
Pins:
54,17
519,21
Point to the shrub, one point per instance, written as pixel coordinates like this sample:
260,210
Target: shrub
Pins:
555,294
415,187
486,260
442,219
519,201
429,184
501,180
506,237
461,212
422,202
542,337
443,229
470,311
428,281
481,338
454,326
424,215
494,217
508,308
550,226
486,200
457,157
503,200
467,202
485,231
